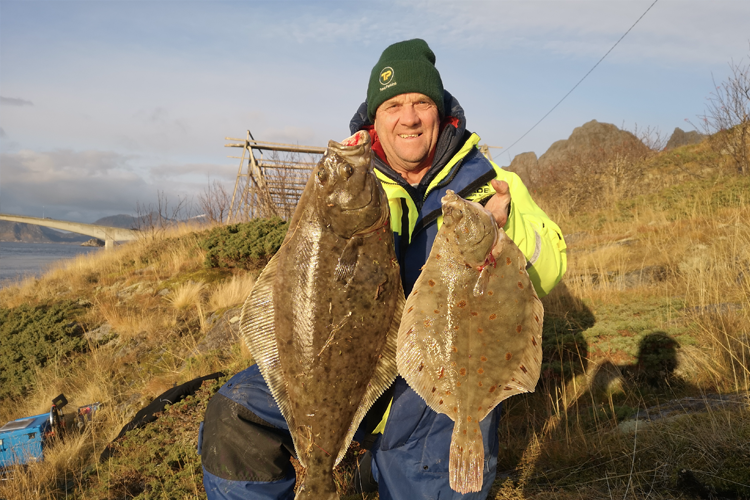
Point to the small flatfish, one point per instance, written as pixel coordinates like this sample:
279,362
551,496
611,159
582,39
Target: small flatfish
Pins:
471,331
323,317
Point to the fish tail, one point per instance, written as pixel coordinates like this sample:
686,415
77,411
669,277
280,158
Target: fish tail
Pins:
317,487
466,458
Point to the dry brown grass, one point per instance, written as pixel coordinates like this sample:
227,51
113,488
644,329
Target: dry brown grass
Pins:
231,293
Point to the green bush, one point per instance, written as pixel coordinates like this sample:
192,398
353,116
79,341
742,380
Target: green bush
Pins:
32,337
249,245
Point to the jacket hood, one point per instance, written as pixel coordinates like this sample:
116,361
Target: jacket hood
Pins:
449,141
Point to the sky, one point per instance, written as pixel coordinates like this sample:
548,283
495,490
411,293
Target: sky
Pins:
104,104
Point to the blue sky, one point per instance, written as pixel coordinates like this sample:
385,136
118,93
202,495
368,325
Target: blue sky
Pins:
105,103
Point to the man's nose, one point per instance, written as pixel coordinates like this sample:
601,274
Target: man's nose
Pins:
409,116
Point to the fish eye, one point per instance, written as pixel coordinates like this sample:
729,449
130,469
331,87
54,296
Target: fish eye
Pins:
322,176
347,170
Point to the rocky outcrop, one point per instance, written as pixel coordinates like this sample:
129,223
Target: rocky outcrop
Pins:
682,138
591,140
93,242
526,165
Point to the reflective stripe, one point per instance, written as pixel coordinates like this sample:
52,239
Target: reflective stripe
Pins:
537,249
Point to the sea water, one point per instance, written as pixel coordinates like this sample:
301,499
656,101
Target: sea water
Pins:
21,260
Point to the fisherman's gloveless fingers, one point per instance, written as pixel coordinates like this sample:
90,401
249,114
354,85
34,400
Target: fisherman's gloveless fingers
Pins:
499,204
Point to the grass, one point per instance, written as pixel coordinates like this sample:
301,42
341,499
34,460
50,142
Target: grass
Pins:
653,314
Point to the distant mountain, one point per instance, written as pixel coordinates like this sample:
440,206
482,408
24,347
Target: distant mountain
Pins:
29,233
120,220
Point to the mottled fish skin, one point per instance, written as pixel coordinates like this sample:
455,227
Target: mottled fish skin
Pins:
323,317
471,331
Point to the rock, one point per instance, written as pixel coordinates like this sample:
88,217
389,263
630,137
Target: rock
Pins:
100,335
592,140
93,242
223,331
526,165
681,138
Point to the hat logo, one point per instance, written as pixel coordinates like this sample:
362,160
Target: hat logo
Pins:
386,75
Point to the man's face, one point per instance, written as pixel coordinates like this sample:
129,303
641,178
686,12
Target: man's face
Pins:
408,127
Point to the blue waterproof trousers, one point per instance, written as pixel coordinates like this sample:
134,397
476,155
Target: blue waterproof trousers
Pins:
245,447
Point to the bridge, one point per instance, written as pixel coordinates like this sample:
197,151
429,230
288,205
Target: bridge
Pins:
107,233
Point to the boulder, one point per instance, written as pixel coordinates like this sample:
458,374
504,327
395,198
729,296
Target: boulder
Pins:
526,165
592,140
681,138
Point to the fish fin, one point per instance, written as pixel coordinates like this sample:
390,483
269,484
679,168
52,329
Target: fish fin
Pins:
528,359
482,280
348,259
466,459
410,355
383,376
257,330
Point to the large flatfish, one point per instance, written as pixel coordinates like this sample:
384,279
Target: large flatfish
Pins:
323,317
471,331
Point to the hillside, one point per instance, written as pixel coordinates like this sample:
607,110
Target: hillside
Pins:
646,366
28,233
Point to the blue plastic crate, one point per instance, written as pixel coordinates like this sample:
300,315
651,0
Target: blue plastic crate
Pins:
21,441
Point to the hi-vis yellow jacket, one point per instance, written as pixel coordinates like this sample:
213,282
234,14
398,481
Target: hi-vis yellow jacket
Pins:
416,216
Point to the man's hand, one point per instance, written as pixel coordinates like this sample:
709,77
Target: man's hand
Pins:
499,204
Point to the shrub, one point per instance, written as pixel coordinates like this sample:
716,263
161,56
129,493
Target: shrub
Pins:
32,337
248,245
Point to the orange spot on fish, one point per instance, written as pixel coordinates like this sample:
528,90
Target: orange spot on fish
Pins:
493,316
480,384
455,327
483,358
458,384
442,371
480,371
462,371
431,282
508,355
427,323
434,389
438,256
533,341
461,304
480,409
536,318
468,419
464,431
455,409
410,309
474,313
440,402
520,285
479,330
447,393
490,293
454,349
476,430
421,365
453,363
519,328
507,261
492,389
523,369
508,388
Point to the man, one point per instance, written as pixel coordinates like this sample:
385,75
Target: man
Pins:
422,149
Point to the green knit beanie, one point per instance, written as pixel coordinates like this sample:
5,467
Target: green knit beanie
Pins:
404,67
